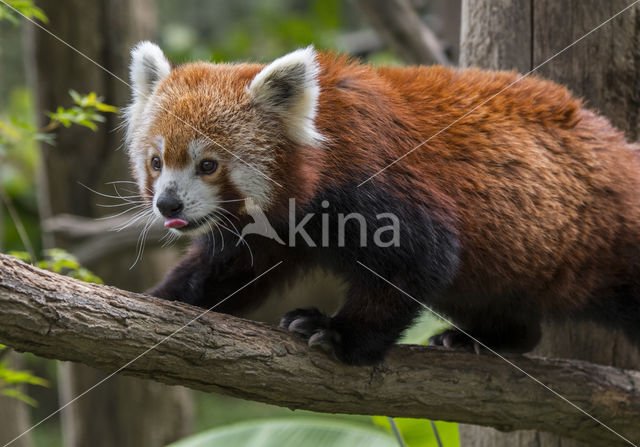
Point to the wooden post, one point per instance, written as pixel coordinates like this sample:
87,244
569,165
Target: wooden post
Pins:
604,69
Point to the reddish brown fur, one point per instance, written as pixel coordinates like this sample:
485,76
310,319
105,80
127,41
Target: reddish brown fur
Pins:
541,195
544,193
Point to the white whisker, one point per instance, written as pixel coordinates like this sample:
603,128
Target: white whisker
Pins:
128,182
109,196
219,208
210,221
169,238
115,205
128,210
240,238
211,236
216,213
135,218
233,200
142,239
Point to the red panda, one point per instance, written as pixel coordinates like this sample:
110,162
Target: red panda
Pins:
526,208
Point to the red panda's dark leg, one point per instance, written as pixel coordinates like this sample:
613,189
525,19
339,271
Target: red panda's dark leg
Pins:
506,334
619,307
222,279
376,312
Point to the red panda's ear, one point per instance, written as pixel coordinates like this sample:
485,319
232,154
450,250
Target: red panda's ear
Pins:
289,87
148,67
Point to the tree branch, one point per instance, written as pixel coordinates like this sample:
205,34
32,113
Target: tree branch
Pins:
58,317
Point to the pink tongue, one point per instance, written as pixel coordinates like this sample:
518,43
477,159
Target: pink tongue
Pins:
175,223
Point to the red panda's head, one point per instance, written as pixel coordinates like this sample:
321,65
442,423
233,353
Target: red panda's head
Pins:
201,135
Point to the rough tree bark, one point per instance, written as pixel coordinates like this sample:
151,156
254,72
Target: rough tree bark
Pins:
55,316
125,412
605,70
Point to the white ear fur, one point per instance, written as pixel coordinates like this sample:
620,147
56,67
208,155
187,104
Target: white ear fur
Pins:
148,67
289,86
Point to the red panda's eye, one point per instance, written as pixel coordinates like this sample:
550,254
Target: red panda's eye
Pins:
156,164
207,166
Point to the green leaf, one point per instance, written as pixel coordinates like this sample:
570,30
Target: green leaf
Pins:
92,100
59,254
24,7
87,123
85,113
12,377
85,275
77,98
106,108
22,255
418,432
61,261
65,264
291,432
427,325
17,394
8,15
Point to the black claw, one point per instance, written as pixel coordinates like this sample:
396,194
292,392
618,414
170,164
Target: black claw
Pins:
303,326
303,320
312,325
322,339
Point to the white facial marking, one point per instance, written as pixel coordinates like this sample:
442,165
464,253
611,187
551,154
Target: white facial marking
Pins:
158,144
196,148
251,184
143,157
199,198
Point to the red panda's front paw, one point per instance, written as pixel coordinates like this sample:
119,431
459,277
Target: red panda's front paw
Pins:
314,326
335,336
453,338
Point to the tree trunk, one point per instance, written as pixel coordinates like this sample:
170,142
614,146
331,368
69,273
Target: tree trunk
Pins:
122,411
604,68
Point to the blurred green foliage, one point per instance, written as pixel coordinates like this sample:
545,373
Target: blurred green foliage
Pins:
18,153
62,262
245,30
18,162
17,129
418,432
85,113
24,7
11,381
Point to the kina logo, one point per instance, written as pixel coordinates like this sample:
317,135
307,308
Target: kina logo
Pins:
332,227
260,226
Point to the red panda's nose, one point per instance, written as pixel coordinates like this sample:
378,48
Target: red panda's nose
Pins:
169,204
